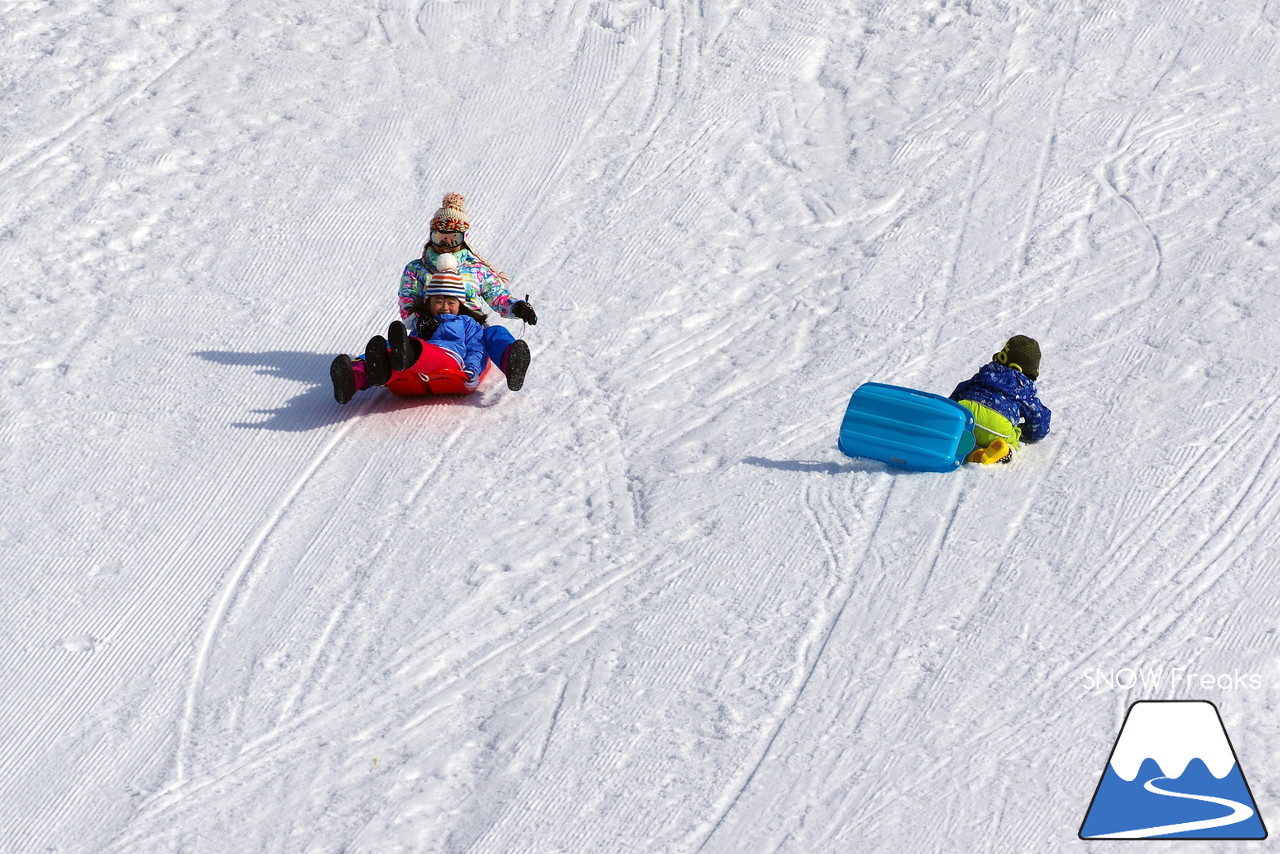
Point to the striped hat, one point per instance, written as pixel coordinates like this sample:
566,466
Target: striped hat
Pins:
446,283
451,216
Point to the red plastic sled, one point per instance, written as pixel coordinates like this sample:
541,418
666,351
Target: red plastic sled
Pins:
435,372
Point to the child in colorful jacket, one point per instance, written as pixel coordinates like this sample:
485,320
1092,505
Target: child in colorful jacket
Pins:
1002,397
449,227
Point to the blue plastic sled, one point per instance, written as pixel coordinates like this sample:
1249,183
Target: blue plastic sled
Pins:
906,428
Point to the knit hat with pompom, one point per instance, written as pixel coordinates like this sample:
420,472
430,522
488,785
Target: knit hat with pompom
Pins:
446,281
452,216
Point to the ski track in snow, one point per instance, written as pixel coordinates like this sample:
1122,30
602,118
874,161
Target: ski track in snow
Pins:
234,581
644,604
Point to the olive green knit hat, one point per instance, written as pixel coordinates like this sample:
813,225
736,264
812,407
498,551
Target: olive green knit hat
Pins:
1022,353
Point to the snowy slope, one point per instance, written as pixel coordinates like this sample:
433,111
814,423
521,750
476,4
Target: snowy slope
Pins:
643,604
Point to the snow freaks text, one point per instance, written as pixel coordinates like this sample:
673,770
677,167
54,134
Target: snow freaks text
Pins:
1159,678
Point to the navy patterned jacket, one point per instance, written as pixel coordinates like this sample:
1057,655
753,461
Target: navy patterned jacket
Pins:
1011,393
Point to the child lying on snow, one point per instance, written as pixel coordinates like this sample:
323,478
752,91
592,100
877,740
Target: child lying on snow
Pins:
1002,397
443,318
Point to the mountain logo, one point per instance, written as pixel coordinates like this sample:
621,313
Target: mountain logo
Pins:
1173,774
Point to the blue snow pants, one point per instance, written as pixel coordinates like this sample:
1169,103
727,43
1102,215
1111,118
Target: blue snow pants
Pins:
496,341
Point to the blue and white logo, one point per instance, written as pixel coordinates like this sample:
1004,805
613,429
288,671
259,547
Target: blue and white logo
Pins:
1173,775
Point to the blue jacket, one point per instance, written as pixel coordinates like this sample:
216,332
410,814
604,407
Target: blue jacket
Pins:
464,338
1011,393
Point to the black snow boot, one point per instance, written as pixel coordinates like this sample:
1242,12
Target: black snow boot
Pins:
515,364
344,378
377,361
405,349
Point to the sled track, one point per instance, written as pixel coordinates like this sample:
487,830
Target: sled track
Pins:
234,581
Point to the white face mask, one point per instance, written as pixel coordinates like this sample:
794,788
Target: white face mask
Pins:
447,240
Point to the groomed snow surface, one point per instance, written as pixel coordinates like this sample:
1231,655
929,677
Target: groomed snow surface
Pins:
642,605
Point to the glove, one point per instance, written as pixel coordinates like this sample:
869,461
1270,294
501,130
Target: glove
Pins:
524,311
427,326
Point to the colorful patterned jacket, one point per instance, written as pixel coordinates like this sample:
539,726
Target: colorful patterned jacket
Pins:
479,278
1011,393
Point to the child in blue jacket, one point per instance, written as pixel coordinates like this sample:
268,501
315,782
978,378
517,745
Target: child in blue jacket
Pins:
1002,397
447,322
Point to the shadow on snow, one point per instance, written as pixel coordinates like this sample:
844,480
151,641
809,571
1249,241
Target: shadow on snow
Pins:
315,407
817,467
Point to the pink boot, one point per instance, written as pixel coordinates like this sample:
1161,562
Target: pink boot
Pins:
348,377
362,379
